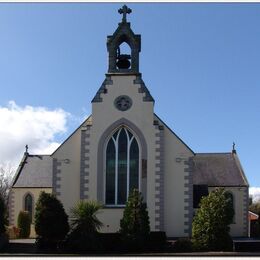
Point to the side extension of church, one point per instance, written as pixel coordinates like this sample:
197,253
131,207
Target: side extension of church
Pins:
123,145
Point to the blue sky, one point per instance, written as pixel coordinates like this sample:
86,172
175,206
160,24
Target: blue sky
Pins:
200,61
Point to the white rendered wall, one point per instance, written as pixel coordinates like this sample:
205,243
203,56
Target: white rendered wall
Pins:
105,114
174,185
70,170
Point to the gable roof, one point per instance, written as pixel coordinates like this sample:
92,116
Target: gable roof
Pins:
34,171
218,169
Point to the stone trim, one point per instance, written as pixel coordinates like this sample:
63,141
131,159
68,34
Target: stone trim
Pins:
102,89
100,155
188,194
143,89
84,163
11,208
245,211
56,178
123,34
159,177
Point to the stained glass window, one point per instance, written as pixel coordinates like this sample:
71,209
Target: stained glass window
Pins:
122,166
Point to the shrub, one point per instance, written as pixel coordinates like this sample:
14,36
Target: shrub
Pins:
135,225
210,229
3,221
4,241
110,242
24,224
182,245
51,222
85,226
157,240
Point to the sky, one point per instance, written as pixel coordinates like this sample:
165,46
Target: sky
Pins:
200,62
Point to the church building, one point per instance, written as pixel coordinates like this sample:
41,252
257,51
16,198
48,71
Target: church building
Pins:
128,147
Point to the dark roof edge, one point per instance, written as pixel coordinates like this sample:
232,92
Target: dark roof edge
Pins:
213,153
35,155
19,170
71,134
175,134
239,165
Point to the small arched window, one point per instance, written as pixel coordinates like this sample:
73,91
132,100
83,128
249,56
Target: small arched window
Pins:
28,204
122,166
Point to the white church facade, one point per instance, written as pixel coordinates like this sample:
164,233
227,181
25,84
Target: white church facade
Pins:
123,145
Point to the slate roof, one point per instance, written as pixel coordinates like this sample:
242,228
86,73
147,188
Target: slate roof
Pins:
34,171
218,169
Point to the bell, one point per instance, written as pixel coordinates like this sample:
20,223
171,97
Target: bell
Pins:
123,62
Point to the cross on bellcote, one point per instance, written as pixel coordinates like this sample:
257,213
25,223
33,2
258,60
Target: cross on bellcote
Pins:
124,10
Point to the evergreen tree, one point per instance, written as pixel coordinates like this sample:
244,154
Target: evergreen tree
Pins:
135,224
24,223
210,229
51,221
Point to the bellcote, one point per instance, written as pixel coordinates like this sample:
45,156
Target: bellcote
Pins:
120,62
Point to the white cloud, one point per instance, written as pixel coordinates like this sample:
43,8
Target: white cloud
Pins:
35,126
254,192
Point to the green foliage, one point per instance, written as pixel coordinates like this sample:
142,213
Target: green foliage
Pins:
210,229
51,221
85,226
2,215
182,245
84,216
24,223
135,224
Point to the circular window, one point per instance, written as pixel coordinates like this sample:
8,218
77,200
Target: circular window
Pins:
123,103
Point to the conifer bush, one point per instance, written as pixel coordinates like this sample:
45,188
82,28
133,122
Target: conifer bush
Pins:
135,224
210,229
24,224
51,221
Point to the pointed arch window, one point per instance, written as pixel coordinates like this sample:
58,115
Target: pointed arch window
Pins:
122,166
28,204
